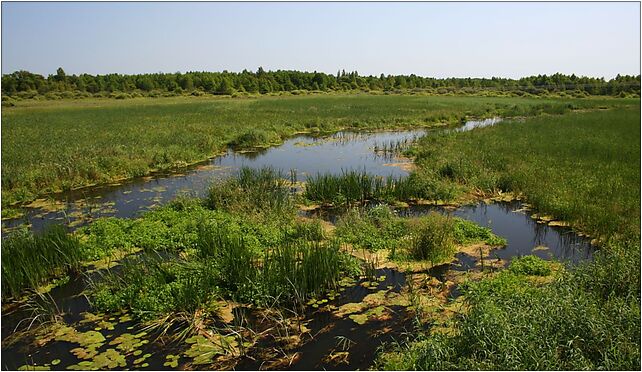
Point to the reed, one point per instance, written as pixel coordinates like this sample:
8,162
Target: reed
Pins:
29,260
300,269
153,284
262,190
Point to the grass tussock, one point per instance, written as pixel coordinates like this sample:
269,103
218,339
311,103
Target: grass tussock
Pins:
257,191
432,238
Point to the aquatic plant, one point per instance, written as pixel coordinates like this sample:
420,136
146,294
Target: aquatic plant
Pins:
359,186
28,260
307,230
530,265
373,229
299,270
259,191
431,238
468,232
151,285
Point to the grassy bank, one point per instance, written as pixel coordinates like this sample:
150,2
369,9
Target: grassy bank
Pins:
57,145
582,168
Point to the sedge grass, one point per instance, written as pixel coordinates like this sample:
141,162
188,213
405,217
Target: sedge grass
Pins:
29,260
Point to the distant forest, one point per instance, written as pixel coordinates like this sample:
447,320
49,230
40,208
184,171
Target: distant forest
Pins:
25,85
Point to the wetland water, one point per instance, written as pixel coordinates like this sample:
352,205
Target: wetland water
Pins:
306,154
332,341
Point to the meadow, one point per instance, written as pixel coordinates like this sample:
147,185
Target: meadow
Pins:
52,146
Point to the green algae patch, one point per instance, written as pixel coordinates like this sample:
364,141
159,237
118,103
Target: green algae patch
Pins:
47,205
171,361
377,313
33,367
109,359
204,350
44,289
128,342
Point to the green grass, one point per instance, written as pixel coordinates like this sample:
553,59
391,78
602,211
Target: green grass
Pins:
432,238
29,260
263,191
356,187
373,229
582,168
58,145
514,324
429,238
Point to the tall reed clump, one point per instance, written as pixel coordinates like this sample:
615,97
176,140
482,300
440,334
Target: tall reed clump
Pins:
347,188
431,237
262,190
300,269
28,259
292,270
234,259
358,186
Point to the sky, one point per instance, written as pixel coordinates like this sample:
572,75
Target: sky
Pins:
428,39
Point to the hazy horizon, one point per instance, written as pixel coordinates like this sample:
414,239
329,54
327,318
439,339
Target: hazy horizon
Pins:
441,40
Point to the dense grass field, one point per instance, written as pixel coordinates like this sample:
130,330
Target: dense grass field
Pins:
583,168
51,146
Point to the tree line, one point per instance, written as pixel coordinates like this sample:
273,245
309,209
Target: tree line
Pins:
25,84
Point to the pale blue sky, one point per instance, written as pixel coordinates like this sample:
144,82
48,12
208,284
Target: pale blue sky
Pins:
427,39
